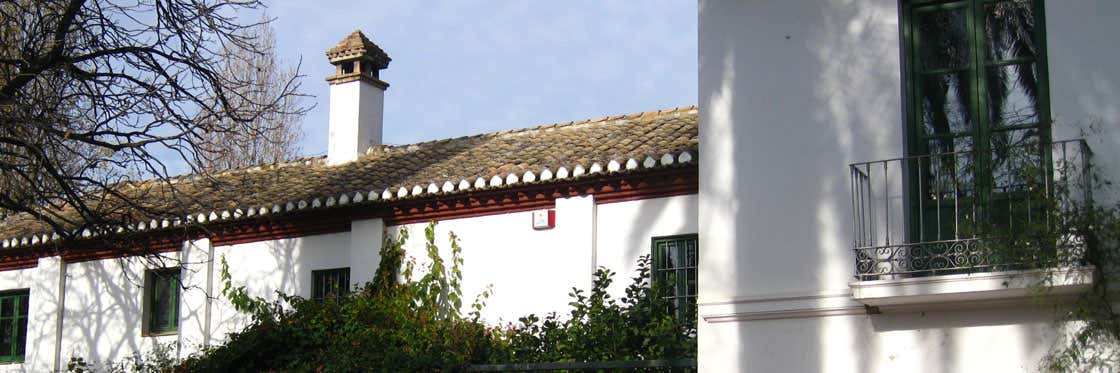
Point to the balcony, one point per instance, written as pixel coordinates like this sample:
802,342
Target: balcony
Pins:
922,223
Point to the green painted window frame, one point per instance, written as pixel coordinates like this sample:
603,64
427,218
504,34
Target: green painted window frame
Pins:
677,269
161,299
330,282
980,61
14,307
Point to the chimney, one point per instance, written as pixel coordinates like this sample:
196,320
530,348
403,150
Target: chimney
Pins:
357,98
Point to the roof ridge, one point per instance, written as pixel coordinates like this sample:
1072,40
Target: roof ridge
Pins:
308,160
572,123
301,161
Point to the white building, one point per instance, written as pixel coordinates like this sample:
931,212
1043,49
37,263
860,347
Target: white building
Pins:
793,92
820,208
536,211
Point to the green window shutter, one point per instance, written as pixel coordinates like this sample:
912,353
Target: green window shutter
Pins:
330,282
162,288
674,265
14,308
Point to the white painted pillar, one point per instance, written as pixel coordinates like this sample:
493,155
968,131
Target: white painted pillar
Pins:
365,249
197,275
575,216
45,302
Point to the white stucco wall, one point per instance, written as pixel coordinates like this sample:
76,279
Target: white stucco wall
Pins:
626,229
102,320
1084,80
530,271
265,267
792,92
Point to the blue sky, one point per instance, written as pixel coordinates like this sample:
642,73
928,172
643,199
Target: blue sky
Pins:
467,67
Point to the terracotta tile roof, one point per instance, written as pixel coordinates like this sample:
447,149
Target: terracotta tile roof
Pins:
545,154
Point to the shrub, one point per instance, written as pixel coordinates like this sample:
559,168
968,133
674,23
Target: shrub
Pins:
399,323
409,325
642,326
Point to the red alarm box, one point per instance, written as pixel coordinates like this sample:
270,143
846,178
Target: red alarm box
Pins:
544,219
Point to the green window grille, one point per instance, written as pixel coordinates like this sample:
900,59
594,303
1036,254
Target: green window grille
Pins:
162,287
674,265
13,325
978,106
328,283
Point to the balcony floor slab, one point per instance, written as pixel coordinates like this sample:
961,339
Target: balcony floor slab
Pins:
977,288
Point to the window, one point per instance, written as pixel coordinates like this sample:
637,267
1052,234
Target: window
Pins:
162,300
330,283
13,325
978,113
674,264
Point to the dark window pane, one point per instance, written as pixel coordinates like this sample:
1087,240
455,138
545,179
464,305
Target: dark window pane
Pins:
674,266
672,254
1017,179
692,282
7,335
13,326
163,304
1009,30
1016,161
21,337
173,301
949,188
330,282
1013,95
7,307
943,39
160,305
690,259
945,103
950,169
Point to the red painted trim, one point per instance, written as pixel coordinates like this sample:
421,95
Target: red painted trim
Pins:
93,250
606,189
309,224
14,263
145,244
609,188
650,187
468,205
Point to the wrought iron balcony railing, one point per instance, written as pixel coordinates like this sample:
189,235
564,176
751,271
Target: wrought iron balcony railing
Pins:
936,214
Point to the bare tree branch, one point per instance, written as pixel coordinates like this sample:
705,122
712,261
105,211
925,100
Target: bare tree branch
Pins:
96,95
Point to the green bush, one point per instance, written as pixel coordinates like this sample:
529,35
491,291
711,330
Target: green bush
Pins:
409,325
642,326
399,323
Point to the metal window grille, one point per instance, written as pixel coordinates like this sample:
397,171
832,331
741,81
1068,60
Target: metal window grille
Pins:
674,264
330,283
910,219
13,325
163,300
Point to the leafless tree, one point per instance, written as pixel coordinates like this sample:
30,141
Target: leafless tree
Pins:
272,137
96,95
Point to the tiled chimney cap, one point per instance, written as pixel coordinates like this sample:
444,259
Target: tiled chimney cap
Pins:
357,58
358,46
